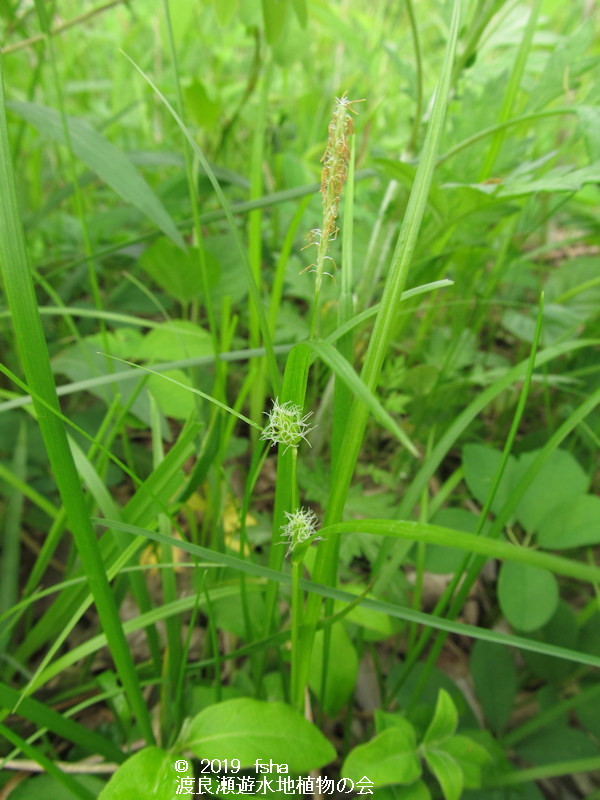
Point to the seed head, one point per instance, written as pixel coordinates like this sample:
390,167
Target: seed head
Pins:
333,176
300,527
335,161
286,425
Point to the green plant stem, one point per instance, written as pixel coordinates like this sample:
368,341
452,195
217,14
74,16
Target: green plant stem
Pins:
253,288
69,783
466,586
39,37
484,13
414,134
194,203
502,518
384,324
33,350
512,88
566,768
447,537
297,690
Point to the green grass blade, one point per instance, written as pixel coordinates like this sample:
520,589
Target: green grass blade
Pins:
399,612
468,542
345,372
512,88
394,287
466,585
11,531
70,784
104,159
189,389
45,717
460,424
33,351
345,459
254,289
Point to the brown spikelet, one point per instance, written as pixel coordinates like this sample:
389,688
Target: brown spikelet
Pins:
333,176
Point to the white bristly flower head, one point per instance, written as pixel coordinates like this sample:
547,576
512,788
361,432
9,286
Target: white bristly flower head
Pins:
286,425
300,527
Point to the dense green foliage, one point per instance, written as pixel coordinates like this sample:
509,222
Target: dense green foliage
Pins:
318,283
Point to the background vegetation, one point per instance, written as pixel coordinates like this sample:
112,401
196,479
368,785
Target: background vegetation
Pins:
405,588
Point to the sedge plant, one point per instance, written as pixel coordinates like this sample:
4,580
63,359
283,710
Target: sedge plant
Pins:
237,444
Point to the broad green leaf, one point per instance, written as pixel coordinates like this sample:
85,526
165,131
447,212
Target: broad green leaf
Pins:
574,524
445,560
588,714
558,321
174,340
560,630
342,669
444,722
149,774
274,14
86,360
449,775
46,786
384,720
481,463
173,400
103,158
252,729
528,596
560,479
224,259
389,758
301,11
470,756
176,272
588,635
225,9
229,617
559,179
556,743
204,111
376,626
429,682
494,675
416,791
